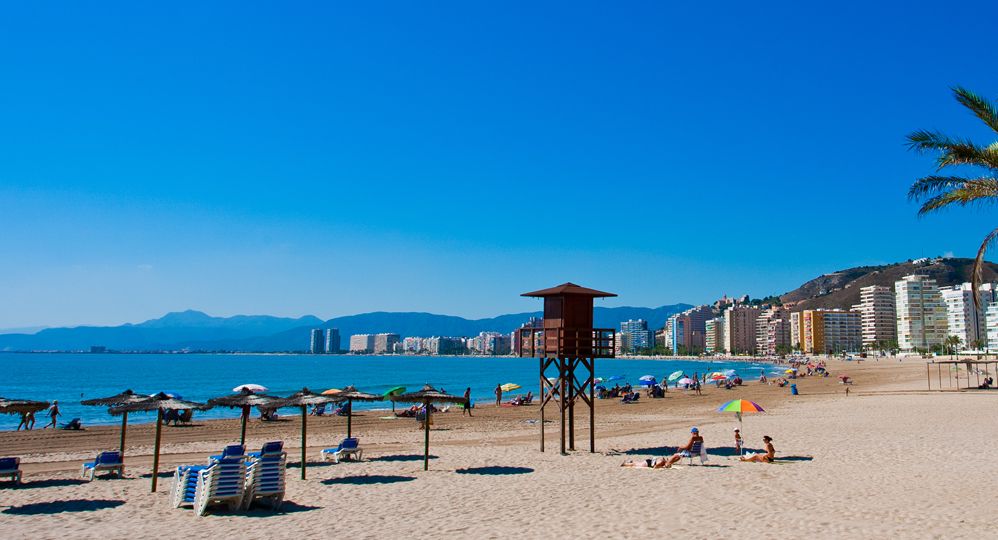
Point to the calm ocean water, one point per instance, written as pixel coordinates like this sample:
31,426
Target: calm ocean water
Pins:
70,378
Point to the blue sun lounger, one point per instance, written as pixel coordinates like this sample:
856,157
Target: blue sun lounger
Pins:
105,461
200,486
265,474
11,466
273,447
348,448
232,450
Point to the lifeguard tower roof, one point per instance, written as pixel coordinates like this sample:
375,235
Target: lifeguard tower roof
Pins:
566,289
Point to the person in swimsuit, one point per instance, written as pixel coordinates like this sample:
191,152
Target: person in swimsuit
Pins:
768,457
657,463
685,451
738,441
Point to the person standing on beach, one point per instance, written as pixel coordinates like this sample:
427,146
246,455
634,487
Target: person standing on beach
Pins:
467,402
24,422
31,421
738,441
498,395
54,413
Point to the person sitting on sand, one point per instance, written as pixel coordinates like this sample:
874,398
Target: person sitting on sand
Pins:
768,457
685,451
657,463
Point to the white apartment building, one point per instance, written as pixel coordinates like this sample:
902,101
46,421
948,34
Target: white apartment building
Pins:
362,343
962,319
879,315
921,313
715,335
772,331
795,335
991,323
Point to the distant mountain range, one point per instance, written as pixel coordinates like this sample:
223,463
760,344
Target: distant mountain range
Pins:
194,330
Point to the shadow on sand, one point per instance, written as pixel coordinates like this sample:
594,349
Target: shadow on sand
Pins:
57,507
496,470
55,482
288,507
368,479
401,457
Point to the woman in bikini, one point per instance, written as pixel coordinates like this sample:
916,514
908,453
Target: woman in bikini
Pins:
657,463
768,457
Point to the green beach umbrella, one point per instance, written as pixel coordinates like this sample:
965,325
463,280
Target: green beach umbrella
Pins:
393,392
675,375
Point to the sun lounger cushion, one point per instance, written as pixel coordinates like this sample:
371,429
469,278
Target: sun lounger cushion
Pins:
11,466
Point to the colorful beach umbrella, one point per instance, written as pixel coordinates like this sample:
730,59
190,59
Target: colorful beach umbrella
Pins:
789,371
509,387
675,375
615,378
685,380
739,406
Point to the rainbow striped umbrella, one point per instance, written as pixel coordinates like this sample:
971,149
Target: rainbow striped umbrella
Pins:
739,406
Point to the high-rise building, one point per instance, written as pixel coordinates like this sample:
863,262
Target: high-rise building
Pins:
362,343
316,341
991,323
796,339
879,316
773,331
686,331
640,337
830,331
739,329
385,343
332,341
963,320
921,313
714,335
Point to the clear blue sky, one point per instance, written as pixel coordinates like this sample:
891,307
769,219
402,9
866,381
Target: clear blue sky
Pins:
445,157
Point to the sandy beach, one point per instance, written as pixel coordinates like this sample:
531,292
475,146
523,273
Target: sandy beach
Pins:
888,460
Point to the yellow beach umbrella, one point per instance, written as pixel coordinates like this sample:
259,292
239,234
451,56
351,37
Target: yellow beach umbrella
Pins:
509,387
332,392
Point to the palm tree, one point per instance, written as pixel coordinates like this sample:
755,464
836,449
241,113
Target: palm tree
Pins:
952,343
938,191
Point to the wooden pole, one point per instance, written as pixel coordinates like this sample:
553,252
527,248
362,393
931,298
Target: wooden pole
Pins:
592,407
242,430
561,400
124,426
939,375
543,397
426,438
571,402
349,415
155,455
304,431
928,375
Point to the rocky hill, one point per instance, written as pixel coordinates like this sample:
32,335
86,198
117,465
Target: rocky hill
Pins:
841,289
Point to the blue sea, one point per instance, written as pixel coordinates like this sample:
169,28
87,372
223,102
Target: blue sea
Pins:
70,378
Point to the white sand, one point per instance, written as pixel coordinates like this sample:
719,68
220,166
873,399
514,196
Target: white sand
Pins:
880,463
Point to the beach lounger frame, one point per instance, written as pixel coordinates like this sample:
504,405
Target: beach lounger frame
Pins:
696,451
104,462
347,449
265,479
224,481
11,466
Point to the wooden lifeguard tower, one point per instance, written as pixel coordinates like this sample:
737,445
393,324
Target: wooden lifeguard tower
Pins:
566,341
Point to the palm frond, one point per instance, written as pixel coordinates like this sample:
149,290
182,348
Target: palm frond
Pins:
952,190
953,151
982,108
975,284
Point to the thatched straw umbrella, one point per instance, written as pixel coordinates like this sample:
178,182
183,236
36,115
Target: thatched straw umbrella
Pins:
123,398
157,403
351,394
21,406
304,399
426,396
246,399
